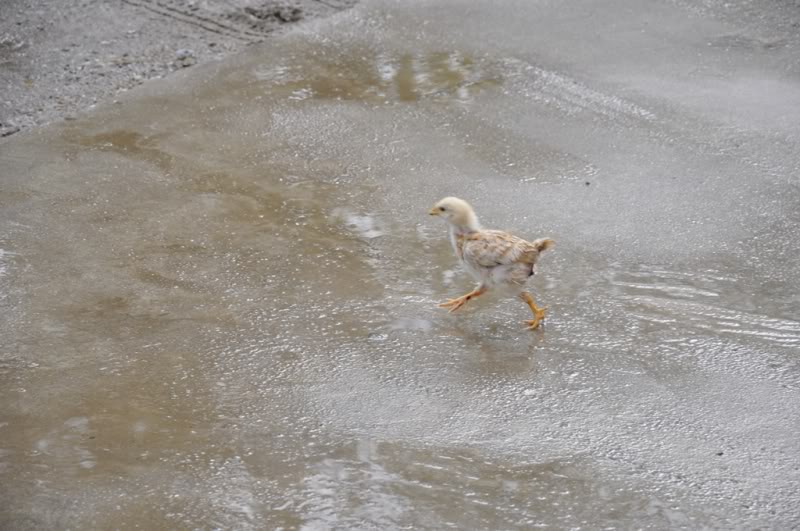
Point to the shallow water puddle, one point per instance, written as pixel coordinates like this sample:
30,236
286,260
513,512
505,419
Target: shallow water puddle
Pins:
370,77
221,298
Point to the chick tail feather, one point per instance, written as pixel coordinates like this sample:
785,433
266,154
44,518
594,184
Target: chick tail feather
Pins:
542,244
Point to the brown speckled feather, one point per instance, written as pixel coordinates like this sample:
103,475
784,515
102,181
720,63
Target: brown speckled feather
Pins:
490,248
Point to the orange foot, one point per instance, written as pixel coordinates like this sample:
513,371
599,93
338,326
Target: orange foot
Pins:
538,316
538,313
455,304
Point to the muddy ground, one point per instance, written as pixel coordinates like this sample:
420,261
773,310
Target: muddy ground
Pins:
60,57
218,298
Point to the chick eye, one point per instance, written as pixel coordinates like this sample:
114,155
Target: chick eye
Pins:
441,209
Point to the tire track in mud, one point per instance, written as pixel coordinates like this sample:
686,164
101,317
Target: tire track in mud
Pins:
188,17
569,95
82,54
707,321
693,301
244,22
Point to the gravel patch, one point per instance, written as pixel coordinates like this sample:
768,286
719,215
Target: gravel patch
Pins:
58,57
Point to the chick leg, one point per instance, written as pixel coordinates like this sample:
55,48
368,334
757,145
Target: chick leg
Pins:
455,304
538,313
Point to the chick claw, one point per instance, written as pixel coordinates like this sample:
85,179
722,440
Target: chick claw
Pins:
538,316
455,304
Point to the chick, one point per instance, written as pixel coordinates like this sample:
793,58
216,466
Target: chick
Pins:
496,259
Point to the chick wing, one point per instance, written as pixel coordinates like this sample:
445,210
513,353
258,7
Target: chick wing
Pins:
491,248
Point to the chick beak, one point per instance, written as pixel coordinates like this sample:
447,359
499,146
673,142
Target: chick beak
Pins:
434,211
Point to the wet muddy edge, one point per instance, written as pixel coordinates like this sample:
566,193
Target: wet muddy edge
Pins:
58,59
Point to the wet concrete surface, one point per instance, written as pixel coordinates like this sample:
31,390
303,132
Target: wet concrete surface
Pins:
218,298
